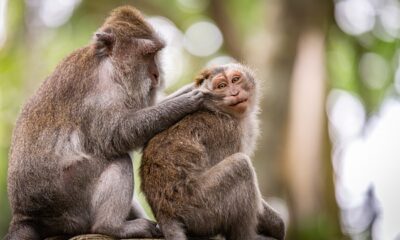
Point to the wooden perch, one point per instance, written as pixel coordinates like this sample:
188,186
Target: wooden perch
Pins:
103,237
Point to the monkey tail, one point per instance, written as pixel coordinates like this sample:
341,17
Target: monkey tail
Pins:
20,230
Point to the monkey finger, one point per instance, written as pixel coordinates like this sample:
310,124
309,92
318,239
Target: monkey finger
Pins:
149,228
187,88
214,96
195,94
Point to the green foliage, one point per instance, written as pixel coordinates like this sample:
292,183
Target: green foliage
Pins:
138,194
342,62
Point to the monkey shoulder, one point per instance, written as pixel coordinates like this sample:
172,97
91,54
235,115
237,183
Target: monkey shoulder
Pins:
204,125
193,138
191,135
180,139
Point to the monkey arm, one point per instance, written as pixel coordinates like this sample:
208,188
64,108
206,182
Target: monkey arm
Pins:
134,129
270,223
185,89
229,172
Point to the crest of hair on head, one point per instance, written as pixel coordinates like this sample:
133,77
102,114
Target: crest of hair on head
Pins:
132,18
204,74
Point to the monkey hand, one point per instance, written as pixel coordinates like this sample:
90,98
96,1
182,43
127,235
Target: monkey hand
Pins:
148,229
185,89
211,100
194,97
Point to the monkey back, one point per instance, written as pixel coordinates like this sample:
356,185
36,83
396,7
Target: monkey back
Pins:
173,158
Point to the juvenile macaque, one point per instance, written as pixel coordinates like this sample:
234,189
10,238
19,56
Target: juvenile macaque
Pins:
197,175
69,169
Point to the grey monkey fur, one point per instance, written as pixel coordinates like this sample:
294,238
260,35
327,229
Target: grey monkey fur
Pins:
69,168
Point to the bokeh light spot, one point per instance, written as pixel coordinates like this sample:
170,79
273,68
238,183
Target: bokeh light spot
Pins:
355,17
346,115
390,18
374,70
172,58
202,39
220,60
55,13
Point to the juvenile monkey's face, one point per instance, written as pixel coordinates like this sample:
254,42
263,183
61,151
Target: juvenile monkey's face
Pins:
235,84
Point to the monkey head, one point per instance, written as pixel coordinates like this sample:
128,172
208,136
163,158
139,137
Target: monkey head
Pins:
235,83
129,47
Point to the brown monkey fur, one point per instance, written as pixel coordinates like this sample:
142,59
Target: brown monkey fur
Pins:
69,168
197,175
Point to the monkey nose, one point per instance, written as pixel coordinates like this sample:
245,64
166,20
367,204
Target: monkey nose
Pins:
235,92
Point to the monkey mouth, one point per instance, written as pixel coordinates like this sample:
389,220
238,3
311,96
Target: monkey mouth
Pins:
238,102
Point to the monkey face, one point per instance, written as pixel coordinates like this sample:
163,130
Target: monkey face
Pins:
153,75
132,45
153,69
235,83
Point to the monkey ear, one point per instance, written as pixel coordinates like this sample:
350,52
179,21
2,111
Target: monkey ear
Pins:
104,42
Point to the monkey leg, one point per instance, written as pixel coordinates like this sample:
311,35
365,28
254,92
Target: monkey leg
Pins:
20,230
136,210
172,229
270,223
232,194
111,204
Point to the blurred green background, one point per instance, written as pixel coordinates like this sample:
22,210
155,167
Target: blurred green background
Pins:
327,157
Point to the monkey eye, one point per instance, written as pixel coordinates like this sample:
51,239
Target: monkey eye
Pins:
235,79
221,85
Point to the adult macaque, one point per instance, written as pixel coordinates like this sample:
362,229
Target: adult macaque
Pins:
197,176
69,169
